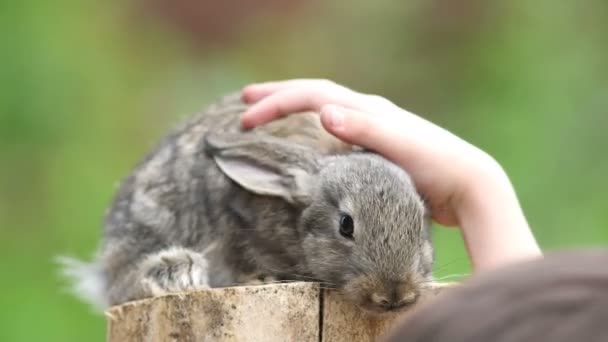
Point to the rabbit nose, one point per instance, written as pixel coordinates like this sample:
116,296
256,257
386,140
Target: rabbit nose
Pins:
394,302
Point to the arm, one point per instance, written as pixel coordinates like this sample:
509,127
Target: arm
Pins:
464,186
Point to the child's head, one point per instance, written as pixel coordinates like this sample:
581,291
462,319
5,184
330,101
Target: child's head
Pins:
563,297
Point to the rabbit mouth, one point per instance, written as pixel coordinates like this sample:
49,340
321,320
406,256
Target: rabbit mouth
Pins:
374,308
381,297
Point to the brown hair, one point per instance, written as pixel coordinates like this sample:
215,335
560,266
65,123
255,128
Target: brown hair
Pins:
563,297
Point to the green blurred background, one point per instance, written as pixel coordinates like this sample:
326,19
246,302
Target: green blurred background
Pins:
87,87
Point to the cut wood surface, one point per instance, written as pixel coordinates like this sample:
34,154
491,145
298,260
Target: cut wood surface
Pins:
268,313
345,322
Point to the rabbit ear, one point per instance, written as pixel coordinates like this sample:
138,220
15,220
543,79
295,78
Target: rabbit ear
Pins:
265,165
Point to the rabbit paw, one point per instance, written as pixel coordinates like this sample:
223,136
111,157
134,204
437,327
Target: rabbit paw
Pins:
174,270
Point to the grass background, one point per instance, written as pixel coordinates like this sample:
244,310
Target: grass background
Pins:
86,88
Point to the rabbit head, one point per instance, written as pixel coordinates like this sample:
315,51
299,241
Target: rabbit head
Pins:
361,225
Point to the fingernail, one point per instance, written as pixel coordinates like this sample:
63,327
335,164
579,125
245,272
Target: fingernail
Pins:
246,121
336,116
246,95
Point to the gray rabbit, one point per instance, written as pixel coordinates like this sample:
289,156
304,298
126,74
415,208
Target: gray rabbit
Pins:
215,206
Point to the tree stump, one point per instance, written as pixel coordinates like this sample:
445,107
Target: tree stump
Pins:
278,312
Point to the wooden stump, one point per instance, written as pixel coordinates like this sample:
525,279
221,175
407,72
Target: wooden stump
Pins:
268,313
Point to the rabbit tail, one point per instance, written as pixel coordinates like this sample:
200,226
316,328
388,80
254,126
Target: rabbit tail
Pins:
87,280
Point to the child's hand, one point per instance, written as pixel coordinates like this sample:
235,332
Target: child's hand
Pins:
464,186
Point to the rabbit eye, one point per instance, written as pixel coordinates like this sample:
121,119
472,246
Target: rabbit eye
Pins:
347,226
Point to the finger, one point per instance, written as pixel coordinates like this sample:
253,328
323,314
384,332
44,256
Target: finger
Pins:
361,128
255,92
277,105
292,100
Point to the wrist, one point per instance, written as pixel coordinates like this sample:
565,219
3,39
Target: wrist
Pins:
492,222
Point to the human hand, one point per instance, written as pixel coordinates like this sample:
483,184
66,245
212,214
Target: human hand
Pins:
463,185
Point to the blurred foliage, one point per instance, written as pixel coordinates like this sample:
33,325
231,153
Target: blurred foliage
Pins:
87,88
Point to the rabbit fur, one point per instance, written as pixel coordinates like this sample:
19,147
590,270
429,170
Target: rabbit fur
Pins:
216,206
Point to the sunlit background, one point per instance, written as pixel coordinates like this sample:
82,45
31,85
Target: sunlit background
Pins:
87,87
